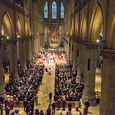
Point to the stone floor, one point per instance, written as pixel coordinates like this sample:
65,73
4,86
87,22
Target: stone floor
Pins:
48,86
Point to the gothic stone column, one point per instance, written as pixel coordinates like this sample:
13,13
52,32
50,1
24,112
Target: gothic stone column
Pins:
82,51
75,62
13,58
30,49
2,91
27,49
32,45
22,52
90,71
108,83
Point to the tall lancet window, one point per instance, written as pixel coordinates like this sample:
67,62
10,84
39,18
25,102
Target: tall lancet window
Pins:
46,10
62,11
54,10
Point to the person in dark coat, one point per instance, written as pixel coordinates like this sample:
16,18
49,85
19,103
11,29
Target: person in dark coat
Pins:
53,108
59,103
86,108
49,111
37,112
7,110
63,104
69,107
41,112
50,96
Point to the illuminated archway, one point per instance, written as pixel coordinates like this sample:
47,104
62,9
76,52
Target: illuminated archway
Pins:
19,28
72,26
27,28
6,28
96,25
83,27
112,35
76,25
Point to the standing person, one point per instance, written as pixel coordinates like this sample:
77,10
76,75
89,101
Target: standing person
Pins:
49,111
86,108
37,112
69,107
46,69
41,112
53,108
50,96
59,103
63,104
80,113
7,110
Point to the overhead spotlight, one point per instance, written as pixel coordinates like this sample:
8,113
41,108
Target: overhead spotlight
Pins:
18,36
2,32
97,40
7,37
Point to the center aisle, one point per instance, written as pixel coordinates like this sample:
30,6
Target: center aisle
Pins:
48,84
46,87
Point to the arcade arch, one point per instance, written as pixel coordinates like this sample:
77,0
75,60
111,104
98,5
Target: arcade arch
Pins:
96,24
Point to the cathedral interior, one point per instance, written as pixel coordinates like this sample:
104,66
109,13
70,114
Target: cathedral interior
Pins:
57,57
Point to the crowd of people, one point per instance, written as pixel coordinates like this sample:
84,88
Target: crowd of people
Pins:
66,86
24,90
49,56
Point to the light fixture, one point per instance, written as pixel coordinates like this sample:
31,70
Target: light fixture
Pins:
2,32
18,36
7,37
97,40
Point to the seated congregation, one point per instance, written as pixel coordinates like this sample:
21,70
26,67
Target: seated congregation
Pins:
66,86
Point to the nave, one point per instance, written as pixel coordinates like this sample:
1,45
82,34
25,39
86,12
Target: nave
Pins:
47,85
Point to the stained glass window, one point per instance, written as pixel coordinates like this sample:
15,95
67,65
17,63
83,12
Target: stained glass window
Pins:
54,10
46,10
62,11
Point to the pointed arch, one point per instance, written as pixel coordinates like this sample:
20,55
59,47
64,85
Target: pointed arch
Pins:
27,28
54,10
6,25
83,27
46,10
96,24
112,34
19,27
62,10
76,25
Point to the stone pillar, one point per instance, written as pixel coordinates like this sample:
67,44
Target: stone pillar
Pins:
32,45
75,60
82,51
13,58
107,106
90,71
2,91
30,49
71,51
22,52
27,49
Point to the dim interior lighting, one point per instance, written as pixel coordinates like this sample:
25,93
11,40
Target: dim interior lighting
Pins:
97,40
2,32
18,36
7,37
